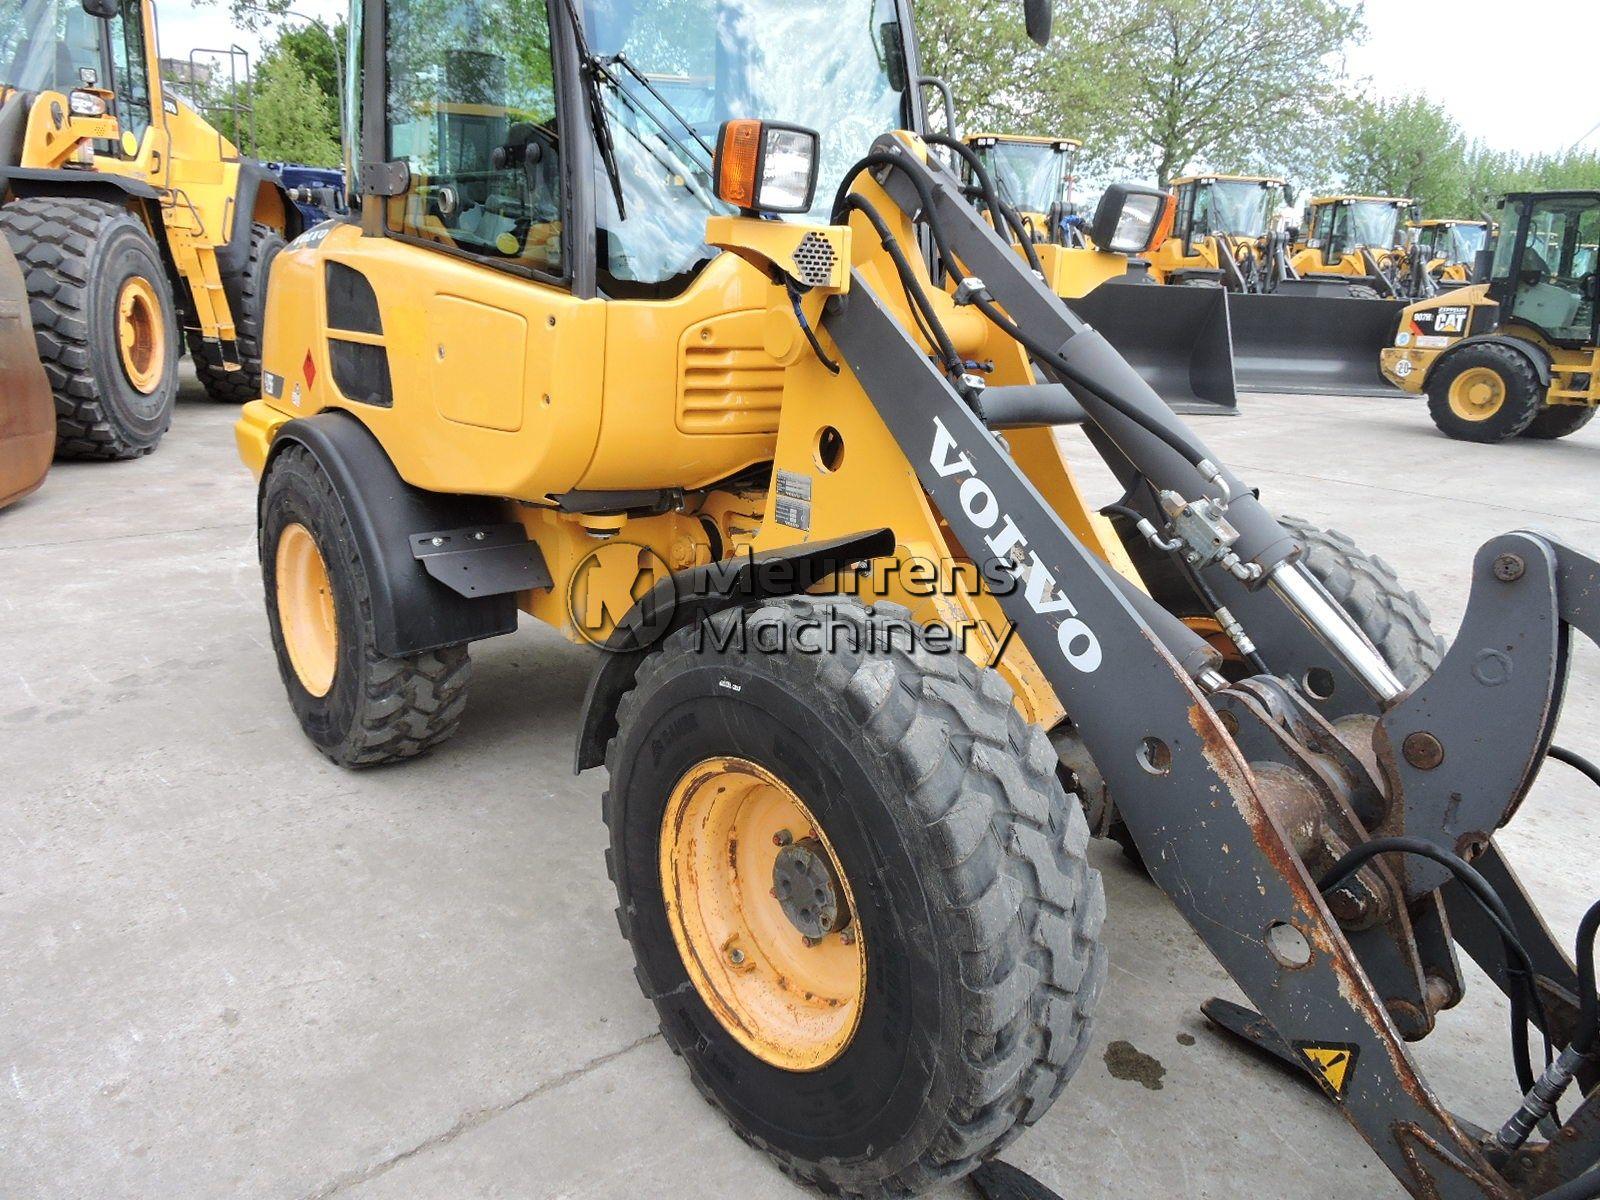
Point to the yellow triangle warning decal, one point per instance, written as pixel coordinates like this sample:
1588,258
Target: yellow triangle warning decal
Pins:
1333,1063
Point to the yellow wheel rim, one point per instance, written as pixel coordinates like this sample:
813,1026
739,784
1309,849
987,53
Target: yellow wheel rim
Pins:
305,610
732,835
1477,394
141,336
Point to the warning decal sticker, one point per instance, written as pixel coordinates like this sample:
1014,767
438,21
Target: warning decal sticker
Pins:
1333,1063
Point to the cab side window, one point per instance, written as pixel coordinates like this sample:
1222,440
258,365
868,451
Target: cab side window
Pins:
472,112
131,65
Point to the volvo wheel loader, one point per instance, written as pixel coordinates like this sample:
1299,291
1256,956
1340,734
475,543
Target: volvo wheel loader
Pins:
138,226
1447,247
1518,355
869,669
1036,177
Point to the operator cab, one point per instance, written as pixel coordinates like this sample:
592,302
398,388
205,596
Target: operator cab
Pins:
1239,206
1342,225
1544,272
1033,175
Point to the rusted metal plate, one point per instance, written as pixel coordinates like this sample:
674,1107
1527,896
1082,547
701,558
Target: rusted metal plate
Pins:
27,411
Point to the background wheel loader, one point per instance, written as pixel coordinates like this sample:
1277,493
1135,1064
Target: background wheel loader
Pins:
1448,247
138,226
870,665
1352,242
1518,355
1181,343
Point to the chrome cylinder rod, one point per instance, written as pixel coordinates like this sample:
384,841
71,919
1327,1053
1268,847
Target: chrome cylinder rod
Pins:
1333,627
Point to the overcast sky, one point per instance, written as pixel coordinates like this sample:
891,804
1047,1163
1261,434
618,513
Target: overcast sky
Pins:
1519,74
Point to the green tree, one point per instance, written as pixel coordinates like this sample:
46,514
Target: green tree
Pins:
1231,85
1410,146
294,122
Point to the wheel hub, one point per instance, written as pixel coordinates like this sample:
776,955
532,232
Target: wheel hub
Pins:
141,336
761,914
1477,394
306,613
807,890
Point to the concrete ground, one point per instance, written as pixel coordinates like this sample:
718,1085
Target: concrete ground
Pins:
230,969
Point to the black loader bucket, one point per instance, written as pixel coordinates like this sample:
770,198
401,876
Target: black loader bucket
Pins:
1176,338
1310,344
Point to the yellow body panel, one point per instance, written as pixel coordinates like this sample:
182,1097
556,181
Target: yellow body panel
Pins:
683,393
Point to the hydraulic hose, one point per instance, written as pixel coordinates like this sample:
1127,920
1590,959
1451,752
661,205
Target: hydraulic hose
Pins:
997,209
1520,963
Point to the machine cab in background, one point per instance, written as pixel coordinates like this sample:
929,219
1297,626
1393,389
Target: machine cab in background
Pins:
1036,176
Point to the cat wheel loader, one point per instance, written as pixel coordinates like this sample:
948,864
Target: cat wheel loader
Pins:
1518,355
138,226
678,380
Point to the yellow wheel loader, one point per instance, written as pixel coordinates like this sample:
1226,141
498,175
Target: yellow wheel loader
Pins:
138,226
1518,355
1223,234
1035,176
1180,343
1354,241
1447,247
680,382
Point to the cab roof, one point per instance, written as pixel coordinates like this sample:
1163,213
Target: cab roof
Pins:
1271,180
1397,201
1023,138
1433,222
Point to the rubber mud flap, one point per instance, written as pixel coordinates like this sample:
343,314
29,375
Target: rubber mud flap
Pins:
1312,345
27,412
1176,338
996,1180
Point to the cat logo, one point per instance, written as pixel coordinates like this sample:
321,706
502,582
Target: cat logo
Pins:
1332,1063
1450,320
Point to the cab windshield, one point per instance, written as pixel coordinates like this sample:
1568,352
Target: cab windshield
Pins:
48,45
1463,243
686,66
1030,177
1237,207
1554,285
1363,224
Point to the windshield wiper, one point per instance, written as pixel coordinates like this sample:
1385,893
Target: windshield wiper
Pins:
626,64
591,71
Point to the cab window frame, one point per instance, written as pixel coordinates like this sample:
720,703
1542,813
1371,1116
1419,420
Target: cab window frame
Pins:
374,134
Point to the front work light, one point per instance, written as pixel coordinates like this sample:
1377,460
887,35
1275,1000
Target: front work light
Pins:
765,166
1128,217
86,104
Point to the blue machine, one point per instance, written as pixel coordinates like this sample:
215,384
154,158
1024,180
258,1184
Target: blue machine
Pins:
318,192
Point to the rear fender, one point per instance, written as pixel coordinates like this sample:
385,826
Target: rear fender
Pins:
411,610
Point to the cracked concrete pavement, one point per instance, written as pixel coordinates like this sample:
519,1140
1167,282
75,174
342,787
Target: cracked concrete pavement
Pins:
231,969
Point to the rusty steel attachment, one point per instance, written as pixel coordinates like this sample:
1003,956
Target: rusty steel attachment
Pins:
1327,830
27,411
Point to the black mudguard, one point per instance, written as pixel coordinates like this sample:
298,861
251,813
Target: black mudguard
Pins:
411,611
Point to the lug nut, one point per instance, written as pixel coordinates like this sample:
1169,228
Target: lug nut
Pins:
848,937
782,838
736,957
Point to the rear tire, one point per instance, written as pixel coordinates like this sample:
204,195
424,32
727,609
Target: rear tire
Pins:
1364,291
104,322
1558,420
363,708
243,385
978,914
1484,393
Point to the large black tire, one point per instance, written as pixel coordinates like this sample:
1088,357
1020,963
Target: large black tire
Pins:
1390,614
1363,291
1558,420
78,256
1523,395
379,709
979,914
243,385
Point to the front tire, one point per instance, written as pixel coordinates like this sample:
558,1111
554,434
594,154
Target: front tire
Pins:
976,912
1558,420
358,706
1484,393
103,320
243,385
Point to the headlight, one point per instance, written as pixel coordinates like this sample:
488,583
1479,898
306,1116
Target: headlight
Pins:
1128,218
87,104
765,166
